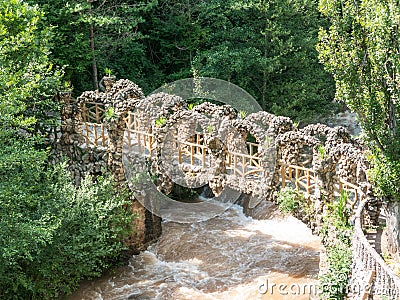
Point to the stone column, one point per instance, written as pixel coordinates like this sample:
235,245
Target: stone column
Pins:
115,129
68,115
146,226
325,170
219,151
70,138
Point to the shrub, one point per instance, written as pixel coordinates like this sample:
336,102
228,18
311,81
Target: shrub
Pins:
336,235
385,174
333,283
289,200
53,234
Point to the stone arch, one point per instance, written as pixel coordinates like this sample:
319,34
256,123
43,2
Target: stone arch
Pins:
186,131
124,89
261,118
293,145
274,125
350,162
156,106
327,135
145,120
216,111
250,164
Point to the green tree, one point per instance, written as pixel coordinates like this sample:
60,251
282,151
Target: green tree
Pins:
361,49
28,80
174,34
52,234
268,48
92,35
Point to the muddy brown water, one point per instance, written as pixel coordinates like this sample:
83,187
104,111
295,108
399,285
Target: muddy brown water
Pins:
228,257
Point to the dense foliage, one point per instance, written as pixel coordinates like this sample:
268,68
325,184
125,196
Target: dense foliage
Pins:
361,49
28,80
336,235
52,234
334,282
290,200
266,47
93,35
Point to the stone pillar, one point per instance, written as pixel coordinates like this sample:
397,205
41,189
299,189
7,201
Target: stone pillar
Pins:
115,129
68,115
325,170
146,226
70,138
107,82
219,151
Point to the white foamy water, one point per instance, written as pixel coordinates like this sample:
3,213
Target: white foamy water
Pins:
227,257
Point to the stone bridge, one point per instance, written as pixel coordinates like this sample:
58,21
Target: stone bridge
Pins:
256,155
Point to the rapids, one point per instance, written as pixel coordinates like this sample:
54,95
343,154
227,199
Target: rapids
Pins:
228,257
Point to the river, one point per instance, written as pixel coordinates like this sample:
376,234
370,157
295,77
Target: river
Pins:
227,257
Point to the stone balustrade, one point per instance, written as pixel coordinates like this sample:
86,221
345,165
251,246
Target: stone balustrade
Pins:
371,277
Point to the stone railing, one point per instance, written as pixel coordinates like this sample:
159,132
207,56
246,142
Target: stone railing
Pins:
370,274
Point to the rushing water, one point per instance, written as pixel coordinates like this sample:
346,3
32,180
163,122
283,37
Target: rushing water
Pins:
227,257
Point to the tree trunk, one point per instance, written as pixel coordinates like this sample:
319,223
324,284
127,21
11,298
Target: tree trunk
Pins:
264,88
94,63
392,211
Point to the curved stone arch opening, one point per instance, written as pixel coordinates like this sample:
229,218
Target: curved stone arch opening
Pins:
215,111
296,155
310,146
236,136
350,163
124,89
92,106
327,135
280,125
160,105
250,164
99,123
182,149
270,123
294,147
121,95
345,170
146,117
261,118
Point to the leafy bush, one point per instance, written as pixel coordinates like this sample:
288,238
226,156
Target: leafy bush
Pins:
289,200
385,175
52,234
340,211
28,79
333,283
336,235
